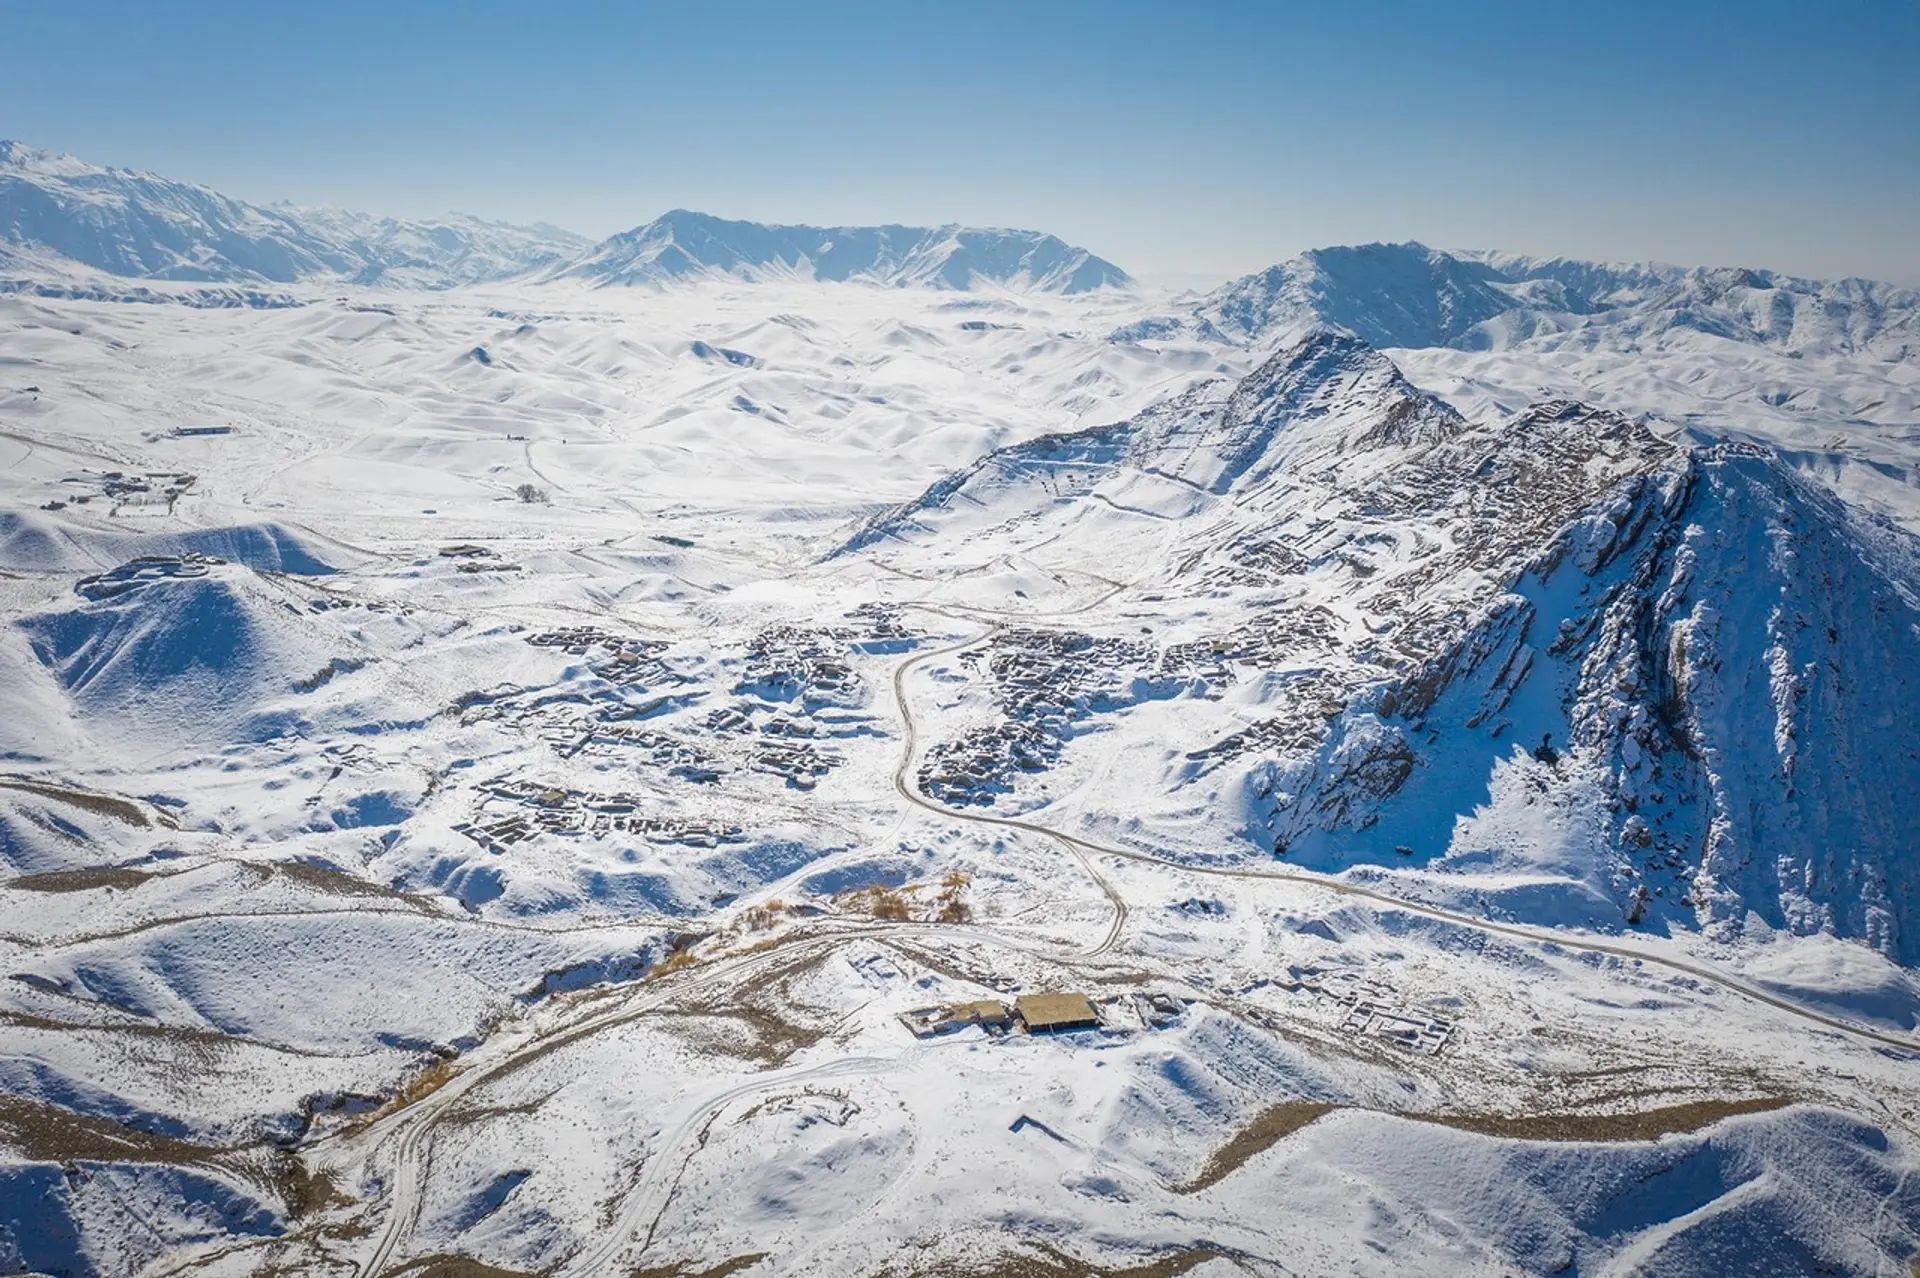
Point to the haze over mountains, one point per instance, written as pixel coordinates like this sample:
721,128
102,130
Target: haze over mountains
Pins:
682,245
58,213
143,226
56,210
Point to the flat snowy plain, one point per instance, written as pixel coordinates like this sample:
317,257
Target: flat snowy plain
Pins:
409,877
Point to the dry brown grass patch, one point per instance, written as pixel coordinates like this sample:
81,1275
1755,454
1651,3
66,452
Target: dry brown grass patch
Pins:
419,1085
881,903
758,918
685,1270
941,902
1646,1124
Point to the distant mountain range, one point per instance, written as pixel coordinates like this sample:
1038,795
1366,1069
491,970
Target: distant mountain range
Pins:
683,244
60,216
55,210
58,212
1409,295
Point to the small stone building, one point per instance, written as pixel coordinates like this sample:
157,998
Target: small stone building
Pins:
988,1013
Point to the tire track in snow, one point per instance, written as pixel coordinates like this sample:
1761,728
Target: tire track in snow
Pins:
649,1200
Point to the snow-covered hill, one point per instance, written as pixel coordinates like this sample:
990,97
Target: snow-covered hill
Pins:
1409,295
1687,703
144,226
682,245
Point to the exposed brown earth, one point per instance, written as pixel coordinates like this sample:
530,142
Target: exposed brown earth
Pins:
1266,1130
1280,1121
121,810
721,1270
452,1267
322,878
47,1134
1042,1261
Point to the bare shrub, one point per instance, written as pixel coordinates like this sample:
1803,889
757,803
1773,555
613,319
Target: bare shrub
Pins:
881,903
758,918
952,909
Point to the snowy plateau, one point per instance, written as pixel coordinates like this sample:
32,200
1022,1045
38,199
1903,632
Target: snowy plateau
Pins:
526,756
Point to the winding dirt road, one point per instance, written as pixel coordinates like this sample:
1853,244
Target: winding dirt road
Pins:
902,783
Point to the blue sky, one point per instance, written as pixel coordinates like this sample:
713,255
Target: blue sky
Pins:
1195,137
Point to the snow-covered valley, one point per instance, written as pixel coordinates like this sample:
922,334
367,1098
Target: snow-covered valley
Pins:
582,766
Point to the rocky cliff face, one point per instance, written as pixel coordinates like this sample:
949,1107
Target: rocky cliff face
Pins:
1689,704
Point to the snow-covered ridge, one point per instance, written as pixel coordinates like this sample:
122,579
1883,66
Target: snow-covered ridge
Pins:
1409,295
1683,703
1329,392
682,245
145,226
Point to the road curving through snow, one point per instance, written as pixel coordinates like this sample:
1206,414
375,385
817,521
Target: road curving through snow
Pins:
1085,849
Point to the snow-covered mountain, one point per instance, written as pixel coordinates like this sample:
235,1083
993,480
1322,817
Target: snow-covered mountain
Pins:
1711,648
144,226
1409,295
453,249
683,245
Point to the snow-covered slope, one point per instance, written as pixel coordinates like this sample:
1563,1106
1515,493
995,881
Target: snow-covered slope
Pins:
141,225
1408,295
680,245
1208,439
